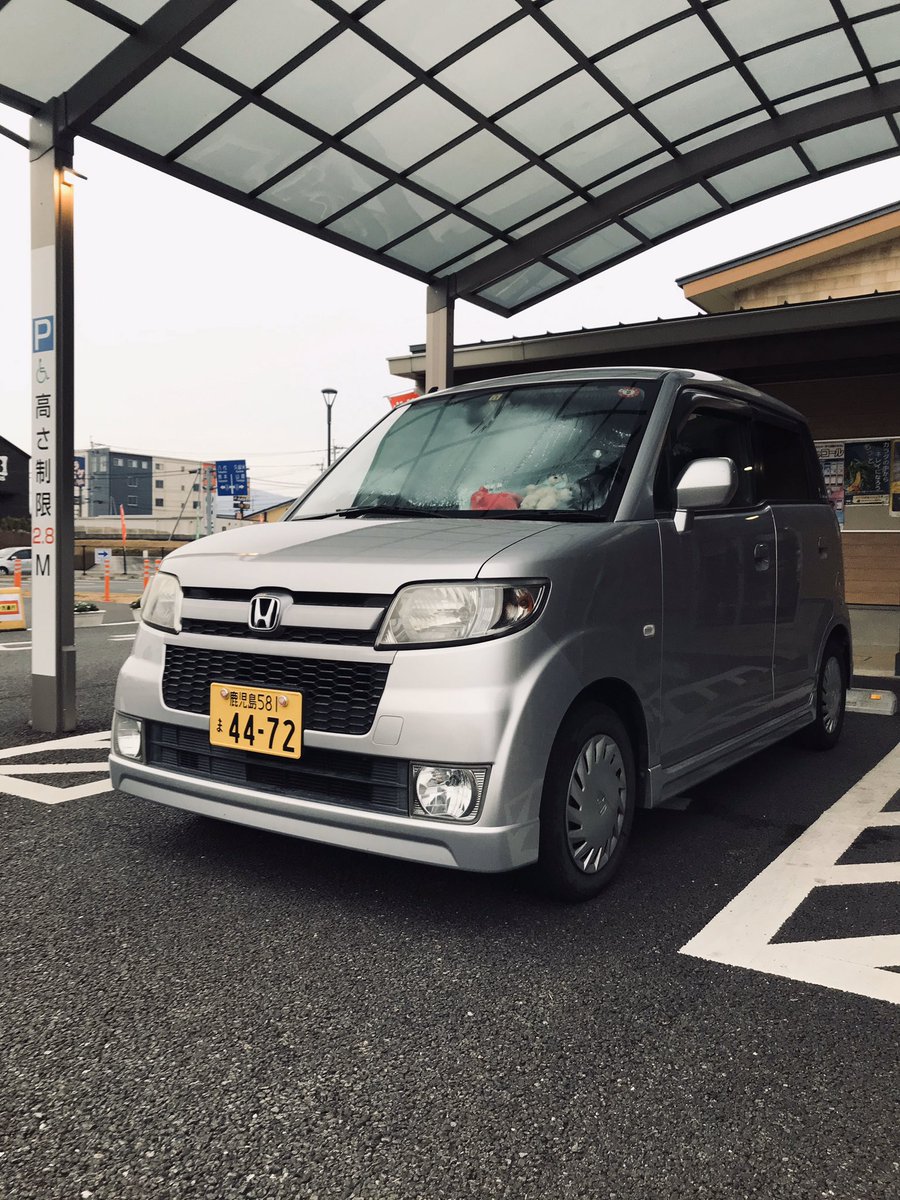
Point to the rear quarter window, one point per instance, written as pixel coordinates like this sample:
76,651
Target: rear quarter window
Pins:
786,468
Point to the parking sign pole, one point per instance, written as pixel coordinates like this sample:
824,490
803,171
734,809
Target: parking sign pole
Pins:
51,399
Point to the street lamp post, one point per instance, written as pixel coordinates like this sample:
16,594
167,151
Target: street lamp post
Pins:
328,395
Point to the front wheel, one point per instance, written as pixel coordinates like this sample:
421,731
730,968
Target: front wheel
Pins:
587,807
831,702
4,570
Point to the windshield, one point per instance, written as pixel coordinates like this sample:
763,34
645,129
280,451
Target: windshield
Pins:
554,448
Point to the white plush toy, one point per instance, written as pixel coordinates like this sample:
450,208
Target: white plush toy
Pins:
554,492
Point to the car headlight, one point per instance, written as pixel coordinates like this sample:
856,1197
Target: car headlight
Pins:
446,613
162,603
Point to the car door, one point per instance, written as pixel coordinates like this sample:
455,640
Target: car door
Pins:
24,557
808,552
719,578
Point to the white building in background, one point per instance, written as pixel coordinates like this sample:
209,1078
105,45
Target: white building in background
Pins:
176,487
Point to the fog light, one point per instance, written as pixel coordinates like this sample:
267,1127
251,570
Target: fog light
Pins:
446,791
128,736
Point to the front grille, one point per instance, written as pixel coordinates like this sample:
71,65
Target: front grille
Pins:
284,633
317,599
338,697
328,776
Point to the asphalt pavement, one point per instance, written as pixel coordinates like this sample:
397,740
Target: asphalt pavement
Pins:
191,1009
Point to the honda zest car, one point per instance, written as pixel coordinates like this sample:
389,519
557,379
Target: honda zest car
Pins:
511,614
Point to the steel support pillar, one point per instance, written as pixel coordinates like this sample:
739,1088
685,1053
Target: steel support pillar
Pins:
439,336
51,399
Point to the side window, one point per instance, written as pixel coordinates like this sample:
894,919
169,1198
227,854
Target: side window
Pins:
783,463
707,433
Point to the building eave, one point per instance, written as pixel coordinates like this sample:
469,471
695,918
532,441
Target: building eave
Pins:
642,339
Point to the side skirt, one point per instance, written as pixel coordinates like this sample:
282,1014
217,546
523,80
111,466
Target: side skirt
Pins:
665,782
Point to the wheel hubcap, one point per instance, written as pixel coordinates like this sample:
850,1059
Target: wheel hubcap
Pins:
596,803
832,694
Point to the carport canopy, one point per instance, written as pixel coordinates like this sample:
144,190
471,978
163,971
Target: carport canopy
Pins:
497,150
501,150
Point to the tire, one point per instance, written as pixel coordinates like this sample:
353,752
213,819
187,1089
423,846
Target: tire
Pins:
4,570
588,803
831,702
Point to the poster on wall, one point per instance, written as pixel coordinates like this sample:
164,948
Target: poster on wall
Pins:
831,456
867,472
895,479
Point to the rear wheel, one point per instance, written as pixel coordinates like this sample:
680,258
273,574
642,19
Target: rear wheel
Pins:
831,701
587,808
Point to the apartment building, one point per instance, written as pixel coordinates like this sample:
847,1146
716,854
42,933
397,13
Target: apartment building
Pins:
144,484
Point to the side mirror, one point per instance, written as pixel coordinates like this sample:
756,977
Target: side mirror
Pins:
704,483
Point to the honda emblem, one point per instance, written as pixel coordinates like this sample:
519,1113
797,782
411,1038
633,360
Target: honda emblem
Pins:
265,613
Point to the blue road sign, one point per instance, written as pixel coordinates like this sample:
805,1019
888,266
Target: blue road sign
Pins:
41,334
231,477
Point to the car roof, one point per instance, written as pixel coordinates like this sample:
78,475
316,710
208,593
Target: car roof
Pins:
677,374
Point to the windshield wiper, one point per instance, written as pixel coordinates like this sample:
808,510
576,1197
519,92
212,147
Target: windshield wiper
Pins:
539,514
393,510
495,514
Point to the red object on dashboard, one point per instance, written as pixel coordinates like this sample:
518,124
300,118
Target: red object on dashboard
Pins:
485,499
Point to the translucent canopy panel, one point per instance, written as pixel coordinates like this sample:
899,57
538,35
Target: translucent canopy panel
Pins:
46,45
511,147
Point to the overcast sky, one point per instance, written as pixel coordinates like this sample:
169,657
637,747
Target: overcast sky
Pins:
208,331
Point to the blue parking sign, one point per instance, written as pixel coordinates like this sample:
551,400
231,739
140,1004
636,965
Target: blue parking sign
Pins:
41,335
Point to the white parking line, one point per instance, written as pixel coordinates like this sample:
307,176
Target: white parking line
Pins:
123,637
741,935
50,768
11,783
105,625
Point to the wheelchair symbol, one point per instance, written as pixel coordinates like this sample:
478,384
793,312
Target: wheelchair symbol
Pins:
42,375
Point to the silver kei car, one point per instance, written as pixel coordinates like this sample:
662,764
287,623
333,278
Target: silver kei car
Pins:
511,614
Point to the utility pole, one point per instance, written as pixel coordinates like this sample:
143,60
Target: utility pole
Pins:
209,477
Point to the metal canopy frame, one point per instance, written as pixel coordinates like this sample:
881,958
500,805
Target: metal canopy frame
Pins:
539,240
468,200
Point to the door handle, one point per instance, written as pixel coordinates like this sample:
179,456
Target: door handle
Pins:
761,556
822,548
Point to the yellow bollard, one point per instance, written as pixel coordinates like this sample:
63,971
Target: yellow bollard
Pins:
12,610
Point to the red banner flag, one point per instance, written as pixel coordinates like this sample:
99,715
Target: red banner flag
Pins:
401,398
124,526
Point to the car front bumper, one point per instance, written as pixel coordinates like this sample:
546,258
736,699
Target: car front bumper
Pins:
471,847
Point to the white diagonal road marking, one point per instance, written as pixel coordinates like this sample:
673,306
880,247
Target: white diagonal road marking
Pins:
78,741
741,935
12,783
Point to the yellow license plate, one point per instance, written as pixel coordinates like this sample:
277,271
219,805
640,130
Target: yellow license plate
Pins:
258,719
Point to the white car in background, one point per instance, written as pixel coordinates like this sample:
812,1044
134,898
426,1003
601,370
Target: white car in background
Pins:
10,555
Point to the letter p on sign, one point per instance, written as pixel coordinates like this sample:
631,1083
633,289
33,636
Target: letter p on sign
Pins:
41,335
